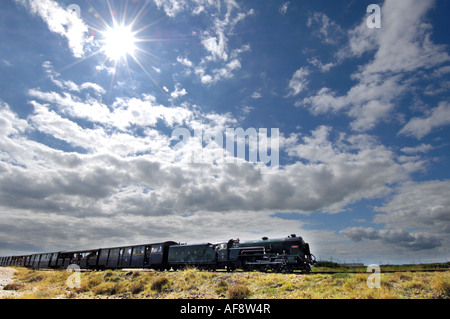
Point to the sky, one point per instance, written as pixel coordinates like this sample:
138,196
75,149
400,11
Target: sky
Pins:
94,94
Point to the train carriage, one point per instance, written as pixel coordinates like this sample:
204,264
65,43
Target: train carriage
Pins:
157,255
85,259
137,256
46,259
64,259
34,261
198,255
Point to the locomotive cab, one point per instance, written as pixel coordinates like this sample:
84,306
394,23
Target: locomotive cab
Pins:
300,250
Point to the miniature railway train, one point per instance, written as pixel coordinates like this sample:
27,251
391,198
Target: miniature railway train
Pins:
279,255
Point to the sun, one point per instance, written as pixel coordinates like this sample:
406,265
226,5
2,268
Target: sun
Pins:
119,41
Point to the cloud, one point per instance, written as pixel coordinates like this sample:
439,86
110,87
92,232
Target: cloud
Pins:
422,148
70,85
323,67
256,95
343,170
10,124
220,60
74,101
171,7
417,217
368,102
178,92
422,205
61,21
398,237
283,8
216,45
418,127
299,81
140,173
185,61
403,43
360,233
225,72
326,29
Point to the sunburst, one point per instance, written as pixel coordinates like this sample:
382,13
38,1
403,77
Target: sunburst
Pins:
119,41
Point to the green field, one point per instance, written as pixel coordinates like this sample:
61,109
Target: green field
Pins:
193,283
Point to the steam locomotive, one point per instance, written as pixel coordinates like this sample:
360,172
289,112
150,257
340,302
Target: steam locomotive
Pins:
278,255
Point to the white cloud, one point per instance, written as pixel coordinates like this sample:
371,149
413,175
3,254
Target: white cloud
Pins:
225,72
299,81
171,7
71,105
178,91
367,115
216,45
368,102
10,124
284,7
53,124
256,95
70,85
323,67
333,175
185,61
422,148
424,206
339,172
325,28
61,21
421,126
404,42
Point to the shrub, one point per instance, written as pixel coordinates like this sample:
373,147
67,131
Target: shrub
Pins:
14,286
238,292
159,284
222,287
108,288
33,277
137,287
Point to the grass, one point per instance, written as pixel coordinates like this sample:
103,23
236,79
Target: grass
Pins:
193,283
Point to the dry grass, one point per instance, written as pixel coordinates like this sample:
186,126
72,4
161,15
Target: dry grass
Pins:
193,283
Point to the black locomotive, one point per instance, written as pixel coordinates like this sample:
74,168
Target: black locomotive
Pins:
279,255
